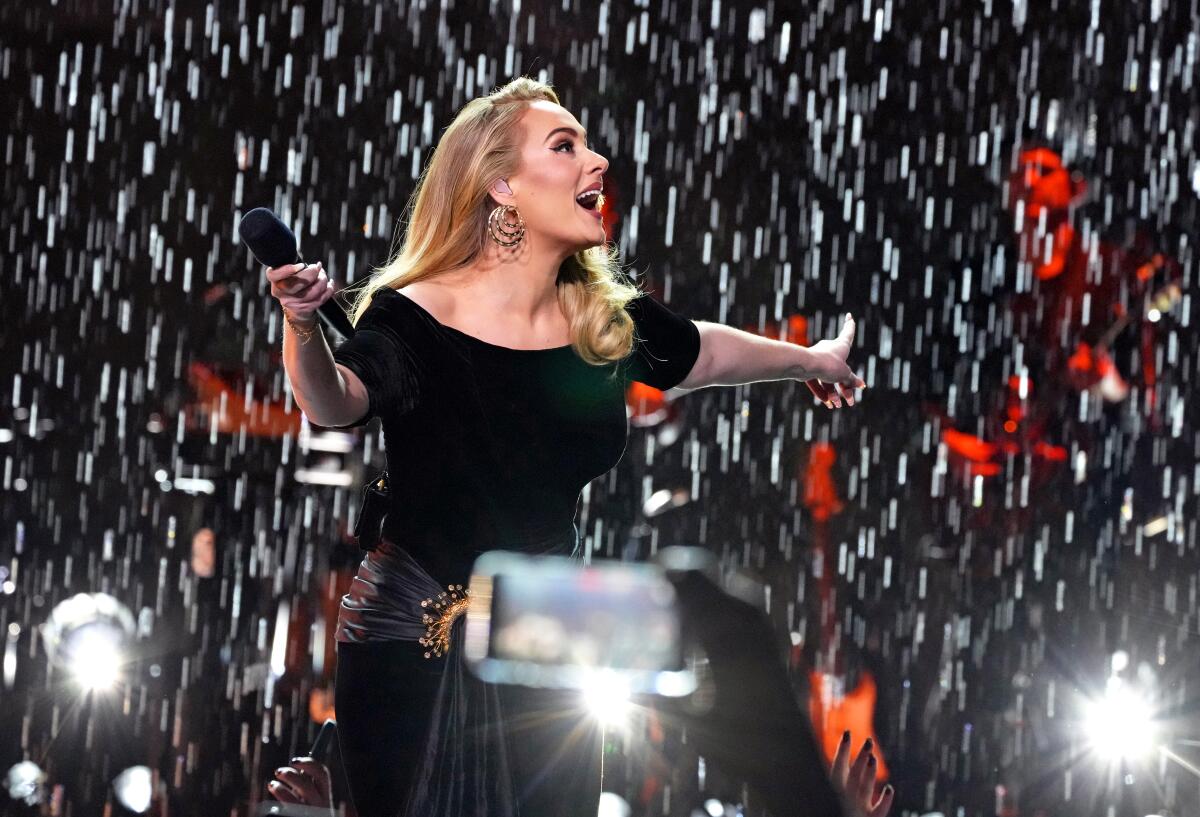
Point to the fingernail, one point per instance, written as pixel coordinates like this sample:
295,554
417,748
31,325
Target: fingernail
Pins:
846,736
888,789
867,746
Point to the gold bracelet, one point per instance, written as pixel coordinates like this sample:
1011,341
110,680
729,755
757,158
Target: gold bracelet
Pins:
303,334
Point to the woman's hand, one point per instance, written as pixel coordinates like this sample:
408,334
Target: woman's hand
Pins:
855,782
300,288
834,381
305,782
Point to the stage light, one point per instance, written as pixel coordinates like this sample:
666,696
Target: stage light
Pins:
25,783
335,477
87,635
664,500
1155,526
1119,724
718,808
194,485
134,789
95,657
613,805
606,696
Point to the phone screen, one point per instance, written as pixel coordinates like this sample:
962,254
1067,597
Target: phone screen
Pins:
620,616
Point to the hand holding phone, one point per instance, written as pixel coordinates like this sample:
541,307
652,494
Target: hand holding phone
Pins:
305,781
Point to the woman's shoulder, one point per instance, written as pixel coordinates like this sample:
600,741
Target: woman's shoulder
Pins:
400,307
400,316
428,296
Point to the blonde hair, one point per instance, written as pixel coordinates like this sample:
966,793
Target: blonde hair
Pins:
448,213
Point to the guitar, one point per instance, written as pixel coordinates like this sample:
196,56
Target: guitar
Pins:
834,709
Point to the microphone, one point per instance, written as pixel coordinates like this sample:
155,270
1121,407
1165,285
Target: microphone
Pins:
273,244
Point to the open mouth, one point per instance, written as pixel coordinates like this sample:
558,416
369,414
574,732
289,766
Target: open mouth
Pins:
589,201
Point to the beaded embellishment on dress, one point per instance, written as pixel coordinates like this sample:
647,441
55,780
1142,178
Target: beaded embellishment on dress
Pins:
447,606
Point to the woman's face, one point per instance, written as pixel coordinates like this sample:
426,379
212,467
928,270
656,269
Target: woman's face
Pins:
556,167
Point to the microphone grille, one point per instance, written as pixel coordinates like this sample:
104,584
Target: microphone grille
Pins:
271,241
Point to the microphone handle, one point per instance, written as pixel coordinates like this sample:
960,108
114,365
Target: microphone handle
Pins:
335,318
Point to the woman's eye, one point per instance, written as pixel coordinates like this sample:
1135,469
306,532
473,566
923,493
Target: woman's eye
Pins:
568,144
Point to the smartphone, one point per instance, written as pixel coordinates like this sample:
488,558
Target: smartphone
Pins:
324,738
551,621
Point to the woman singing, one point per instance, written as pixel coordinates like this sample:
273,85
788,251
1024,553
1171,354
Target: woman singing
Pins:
496,348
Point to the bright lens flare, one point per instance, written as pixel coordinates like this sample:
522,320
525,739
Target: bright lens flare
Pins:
606,696
134,788
1120,724
95,661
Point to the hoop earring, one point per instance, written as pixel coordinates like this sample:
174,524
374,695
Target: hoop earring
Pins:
499,222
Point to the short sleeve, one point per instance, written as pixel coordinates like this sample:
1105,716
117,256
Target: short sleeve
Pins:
665,347
383,357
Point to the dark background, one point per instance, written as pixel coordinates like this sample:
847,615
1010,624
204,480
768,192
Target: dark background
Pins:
986,606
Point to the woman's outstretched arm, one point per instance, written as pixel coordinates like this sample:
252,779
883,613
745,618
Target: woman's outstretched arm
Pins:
729,357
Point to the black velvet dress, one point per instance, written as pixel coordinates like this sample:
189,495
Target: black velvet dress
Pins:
487,448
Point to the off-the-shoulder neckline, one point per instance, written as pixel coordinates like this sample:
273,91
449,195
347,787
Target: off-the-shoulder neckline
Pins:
461,333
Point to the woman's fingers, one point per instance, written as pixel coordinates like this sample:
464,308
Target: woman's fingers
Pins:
317,294
300,785
275,274
841,762
866,783
846,392
847,333
857,769
881,808
294,279
315,771
308,281
282,793
834,397
855,782
311,299
819,391
834,394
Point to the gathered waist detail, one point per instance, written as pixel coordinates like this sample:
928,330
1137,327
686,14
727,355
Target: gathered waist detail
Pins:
384,599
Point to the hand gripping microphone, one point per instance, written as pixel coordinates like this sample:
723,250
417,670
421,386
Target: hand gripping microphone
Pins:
274,245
